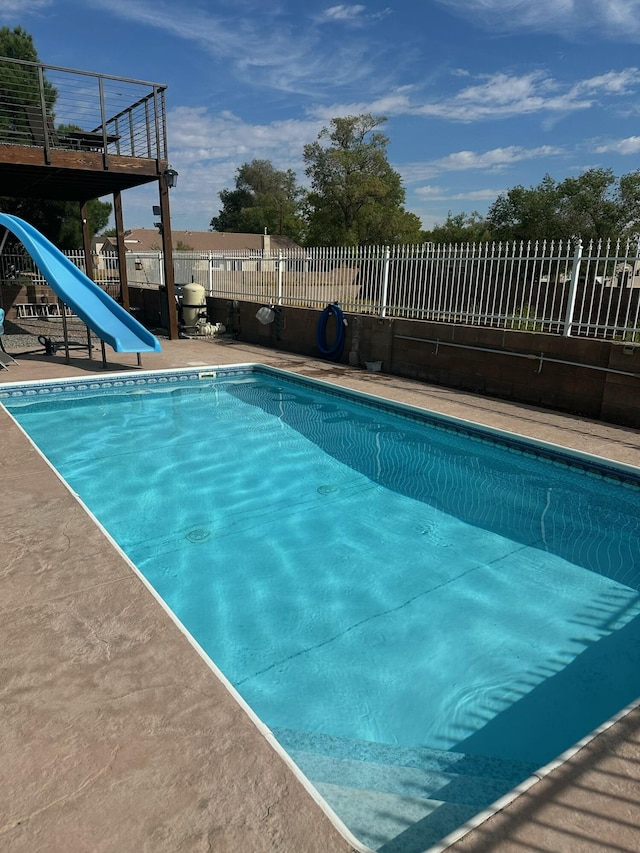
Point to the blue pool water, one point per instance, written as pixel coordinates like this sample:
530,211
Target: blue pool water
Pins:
422,614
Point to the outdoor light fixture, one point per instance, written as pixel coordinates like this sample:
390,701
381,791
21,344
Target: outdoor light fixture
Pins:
171,177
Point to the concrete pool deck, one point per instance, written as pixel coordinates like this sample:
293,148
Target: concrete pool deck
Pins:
116,736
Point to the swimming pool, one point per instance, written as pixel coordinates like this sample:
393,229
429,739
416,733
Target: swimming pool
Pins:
491,592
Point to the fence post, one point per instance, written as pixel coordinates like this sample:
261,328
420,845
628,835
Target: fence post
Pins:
210,274
573,289
385,283
279,262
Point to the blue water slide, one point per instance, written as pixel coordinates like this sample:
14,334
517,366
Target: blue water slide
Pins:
97,310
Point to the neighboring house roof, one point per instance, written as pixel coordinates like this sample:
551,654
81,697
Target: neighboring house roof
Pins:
149,240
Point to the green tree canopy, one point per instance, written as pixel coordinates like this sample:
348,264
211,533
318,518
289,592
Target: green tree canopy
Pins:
597,204
628,197
593,205
460,228
263,198
19,84
356,197
528,214
59,221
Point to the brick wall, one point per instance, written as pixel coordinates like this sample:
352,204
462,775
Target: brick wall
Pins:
22,291
566,374
559,373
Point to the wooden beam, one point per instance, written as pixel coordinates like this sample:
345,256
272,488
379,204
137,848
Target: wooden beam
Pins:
167,252
86,243
89,270
122,254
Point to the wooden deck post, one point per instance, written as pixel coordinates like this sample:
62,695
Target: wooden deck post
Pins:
122,254
167,251
89,271
86,242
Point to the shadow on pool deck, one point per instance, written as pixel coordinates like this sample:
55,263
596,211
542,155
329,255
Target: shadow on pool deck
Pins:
116,736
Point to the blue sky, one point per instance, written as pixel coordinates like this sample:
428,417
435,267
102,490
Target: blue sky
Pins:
480,95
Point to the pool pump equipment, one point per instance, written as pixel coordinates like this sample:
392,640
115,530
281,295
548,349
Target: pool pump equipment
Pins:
194,307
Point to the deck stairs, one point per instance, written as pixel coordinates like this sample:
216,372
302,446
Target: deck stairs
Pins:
398,799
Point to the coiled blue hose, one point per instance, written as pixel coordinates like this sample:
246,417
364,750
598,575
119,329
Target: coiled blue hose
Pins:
333,351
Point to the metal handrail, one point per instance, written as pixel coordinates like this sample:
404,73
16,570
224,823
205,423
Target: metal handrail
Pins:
78,71
63,99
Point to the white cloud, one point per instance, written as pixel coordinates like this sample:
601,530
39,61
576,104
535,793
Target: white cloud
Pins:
612,83
263,50
493,160
630,145
355,13
197,135
343,12
497,96
569,19
431,193
502,95
10,8
396,102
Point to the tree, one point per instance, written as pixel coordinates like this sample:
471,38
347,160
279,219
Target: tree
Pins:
628,195
460,228
592,206
598,205
356,197
59,221
19,84
264,198
528,214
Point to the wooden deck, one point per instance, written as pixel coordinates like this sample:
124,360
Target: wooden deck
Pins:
112,136
74,136
71,175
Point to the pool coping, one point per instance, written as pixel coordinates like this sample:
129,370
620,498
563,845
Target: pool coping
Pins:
264,730
527,784
600,466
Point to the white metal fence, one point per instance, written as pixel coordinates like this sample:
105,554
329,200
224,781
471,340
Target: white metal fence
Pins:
559,287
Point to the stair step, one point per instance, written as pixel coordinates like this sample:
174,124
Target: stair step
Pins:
475,791
390,823
486,767
399,799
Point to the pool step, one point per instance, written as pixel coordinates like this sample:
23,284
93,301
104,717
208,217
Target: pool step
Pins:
389,823
398,799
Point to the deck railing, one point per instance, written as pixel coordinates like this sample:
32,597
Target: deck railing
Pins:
557,287
52,107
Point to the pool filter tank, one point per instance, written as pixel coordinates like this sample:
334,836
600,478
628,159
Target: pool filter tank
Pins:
193,304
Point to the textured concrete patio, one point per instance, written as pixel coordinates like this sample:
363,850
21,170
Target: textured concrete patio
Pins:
116,736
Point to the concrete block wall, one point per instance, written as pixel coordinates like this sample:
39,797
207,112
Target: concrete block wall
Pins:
566,374
24,290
